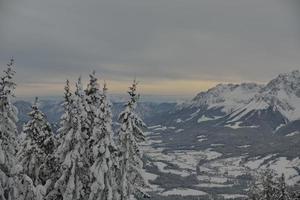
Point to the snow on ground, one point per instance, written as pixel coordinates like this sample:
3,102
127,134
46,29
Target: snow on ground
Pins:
210,154
280,126
150,142
256,162
206,169
237,125
283,165
190,159
179,130
183,192
234,167
212,178
217,145
234,126
148,133
185,160
163,128
234,196
230,166
219,171
193,115
172,127
159,156
205,119
216,172
179,120
146,146
213,185
293,101
244,146
228,97
218,179
293,134
252,106
162,168
203,178
202,140
154,127
150,177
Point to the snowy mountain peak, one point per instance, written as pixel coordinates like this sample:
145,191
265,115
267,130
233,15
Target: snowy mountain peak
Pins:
288,82
280,97
283,92
217,94
226,96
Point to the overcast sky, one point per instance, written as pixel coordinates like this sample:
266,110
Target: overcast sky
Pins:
171,46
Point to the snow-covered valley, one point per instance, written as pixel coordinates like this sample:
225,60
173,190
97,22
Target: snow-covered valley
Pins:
207,173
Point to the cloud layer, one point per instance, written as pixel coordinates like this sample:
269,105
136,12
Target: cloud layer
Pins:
157,41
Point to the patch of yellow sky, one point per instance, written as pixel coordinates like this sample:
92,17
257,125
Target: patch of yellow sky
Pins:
164,87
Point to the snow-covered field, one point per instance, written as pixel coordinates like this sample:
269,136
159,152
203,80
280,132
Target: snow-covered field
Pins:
234,196
183,192
216,171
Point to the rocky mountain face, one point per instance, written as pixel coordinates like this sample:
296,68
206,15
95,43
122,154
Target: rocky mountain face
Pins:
226,96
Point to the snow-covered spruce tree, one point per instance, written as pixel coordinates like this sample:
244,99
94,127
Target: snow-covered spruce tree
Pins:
92,104
264,186
130,135
66,118
66,125
105,166
9,169
38,145
93,94
36,154
74,182
269,186
282,192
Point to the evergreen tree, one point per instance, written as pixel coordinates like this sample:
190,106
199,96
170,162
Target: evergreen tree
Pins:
67,124
9,170
66,118
74,182
130,135
92,100
269,187
37,147
282,190
104,169
93,94
92,103
268,184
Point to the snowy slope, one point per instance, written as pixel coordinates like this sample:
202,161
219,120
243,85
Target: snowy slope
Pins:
249,104
229,97
281,95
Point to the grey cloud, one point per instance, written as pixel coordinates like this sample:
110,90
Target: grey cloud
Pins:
154,40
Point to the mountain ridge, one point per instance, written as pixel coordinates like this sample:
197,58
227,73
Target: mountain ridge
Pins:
240,103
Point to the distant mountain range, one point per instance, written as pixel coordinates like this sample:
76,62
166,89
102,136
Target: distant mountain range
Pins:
53,110
274,105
